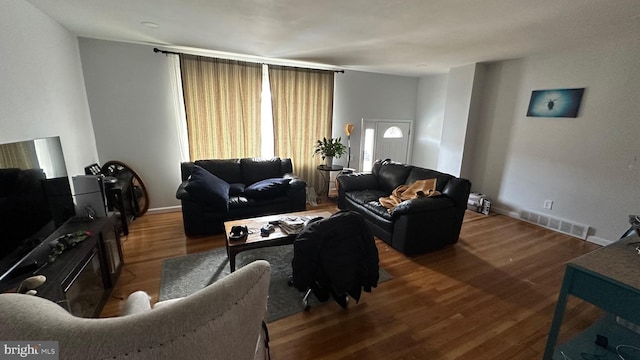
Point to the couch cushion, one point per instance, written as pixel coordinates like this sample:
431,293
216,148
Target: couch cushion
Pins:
391,175
208,189
375,215
421,174
365,196
228,170
267,188
258,206
254,170
236,189
369,199
376,208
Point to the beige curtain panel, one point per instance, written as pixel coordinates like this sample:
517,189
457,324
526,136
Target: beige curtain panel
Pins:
222,104
302,101
21,155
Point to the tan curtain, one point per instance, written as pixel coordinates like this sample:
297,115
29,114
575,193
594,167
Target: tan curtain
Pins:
302,101
21,155
222,104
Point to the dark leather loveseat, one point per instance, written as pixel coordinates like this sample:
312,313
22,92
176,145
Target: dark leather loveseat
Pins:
214,191
414,226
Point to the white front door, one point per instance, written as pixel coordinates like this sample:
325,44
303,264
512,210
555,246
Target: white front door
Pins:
384,139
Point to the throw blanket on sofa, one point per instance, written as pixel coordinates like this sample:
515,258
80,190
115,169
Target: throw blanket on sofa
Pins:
419,188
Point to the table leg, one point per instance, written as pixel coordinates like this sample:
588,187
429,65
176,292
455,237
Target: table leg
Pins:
232,260
325,184
558,315
116,201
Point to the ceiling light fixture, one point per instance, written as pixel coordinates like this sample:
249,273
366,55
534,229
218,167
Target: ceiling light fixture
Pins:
150,24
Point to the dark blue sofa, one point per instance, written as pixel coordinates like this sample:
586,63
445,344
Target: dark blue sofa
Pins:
215,191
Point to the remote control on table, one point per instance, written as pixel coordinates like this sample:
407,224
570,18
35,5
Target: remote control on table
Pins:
266,230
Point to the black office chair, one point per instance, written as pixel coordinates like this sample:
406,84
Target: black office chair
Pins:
335,257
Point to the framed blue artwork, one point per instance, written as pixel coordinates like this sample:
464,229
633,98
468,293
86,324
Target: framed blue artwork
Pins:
555,103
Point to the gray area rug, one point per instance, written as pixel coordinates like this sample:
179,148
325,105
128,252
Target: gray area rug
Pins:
184,275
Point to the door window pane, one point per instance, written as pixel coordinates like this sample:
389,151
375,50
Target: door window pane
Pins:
393,132
367,155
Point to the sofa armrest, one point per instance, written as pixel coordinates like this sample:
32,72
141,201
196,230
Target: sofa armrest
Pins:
186,168
182,193
424,204
458,189
137,303
295,182
354,182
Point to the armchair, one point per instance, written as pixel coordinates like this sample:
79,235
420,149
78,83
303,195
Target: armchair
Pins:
221,321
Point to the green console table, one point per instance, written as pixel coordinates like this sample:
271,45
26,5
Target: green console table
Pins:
608,278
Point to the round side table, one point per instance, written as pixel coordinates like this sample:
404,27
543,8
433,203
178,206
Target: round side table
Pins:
325,171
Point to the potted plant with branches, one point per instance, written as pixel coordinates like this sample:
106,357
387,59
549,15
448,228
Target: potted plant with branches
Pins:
329,148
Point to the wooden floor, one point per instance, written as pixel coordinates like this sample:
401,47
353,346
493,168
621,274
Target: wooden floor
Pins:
491,296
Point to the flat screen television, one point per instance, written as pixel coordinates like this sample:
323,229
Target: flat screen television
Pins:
35,199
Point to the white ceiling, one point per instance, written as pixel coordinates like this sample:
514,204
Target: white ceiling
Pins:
402,37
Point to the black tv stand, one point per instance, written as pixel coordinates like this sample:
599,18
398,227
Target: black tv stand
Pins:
26,267
82,277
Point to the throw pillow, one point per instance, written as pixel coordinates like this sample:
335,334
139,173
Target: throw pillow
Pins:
267,188
208,189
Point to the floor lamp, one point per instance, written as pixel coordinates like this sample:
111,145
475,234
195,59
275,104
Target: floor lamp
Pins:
349,129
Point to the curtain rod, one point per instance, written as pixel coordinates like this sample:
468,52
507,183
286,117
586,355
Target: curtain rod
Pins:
156,50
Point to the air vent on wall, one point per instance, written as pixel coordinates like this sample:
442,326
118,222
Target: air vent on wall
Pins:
561,225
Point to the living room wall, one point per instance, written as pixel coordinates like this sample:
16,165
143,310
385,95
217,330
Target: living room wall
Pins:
41,85
128,88
361,95
587,165
129,91
432,94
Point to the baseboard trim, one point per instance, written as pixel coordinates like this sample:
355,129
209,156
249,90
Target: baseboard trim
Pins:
164,209
516,215
508,213
599,240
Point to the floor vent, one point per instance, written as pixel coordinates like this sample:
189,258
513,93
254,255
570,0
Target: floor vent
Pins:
564,226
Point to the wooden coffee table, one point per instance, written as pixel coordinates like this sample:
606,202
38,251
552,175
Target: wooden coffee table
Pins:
254,240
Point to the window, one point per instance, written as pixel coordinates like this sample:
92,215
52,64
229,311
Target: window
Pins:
266,123
393,132
223,107
236,109
367,156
